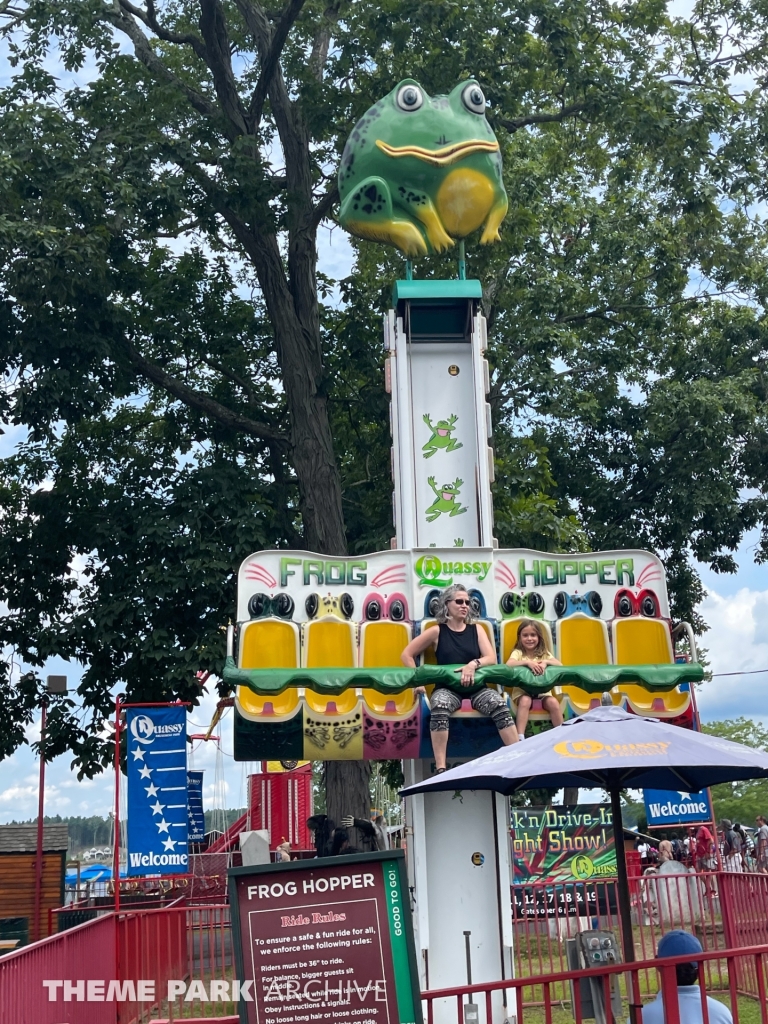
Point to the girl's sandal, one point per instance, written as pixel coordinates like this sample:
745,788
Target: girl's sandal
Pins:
439,771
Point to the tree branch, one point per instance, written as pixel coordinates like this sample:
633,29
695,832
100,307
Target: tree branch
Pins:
234,378
516,123
324,205
270,59
149,18
201,402
144,52
322,39
213,26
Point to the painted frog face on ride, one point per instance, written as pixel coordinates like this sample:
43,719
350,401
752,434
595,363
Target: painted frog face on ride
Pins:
419,171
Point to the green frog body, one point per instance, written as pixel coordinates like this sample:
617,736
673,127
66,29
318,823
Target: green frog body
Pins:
420,171
446,499
441,436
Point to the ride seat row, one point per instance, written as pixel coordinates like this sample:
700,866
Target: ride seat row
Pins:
329,642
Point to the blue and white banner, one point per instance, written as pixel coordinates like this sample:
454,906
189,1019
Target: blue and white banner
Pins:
195,803
669,807
157,791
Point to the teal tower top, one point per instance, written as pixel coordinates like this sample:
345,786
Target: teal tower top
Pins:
419,171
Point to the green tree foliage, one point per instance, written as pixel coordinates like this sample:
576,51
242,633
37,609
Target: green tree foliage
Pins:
740,801
83,832
183,391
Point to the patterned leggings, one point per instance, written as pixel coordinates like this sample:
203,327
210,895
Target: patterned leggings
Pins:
488,702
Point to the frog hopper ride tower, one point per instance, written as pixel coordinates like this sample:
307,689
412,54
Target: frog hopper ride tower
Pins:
315,654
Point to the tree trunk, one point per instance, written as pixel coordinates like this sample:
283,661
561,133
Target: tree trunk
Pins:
347,792
570,796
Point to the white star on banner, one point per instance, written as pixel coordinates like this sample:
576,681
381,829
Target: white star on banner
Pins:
169,844
162,825
145,773
138,754
157,807
151,790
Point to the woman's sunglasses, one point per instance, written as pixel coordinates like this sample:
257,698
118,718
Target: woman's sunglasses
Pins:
460,600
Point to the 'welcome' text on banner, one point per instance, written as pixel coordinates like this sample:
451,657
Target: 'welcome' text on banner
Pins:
665,807
157,791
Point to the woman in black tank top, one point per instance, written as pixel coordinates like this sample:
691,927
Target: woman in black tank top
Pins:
458,641
457,648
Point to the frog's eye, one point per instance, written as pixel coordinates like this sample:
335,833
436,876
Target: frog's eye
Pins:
410,97
473,98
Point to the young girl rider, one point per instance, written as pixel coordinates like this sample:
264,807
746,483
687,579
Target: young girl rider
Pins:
531,649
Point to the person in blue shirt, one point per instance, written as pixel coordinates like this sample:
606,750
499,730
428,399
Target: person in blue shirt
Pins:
680,943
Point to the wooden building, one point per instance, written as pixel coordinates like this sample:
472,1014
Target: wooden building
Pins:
18,845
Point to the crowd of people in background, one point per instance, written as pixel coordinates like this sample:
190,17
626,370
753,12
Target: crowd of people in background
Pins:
740,849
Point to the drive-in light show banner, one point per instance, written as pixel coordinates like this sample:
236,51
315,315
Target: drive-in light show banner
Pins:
563,844
564,850
157,791
326,940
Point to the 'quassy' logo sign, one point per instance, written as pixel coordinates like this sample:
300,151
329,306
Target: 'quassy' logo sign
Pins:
144,729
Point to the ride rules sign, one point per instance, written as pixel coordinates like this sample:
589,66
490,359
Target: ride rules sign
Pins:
325,940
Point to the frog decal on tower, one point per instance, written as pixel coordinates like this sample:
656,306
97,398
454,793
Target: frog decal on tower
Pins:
446,499
419,171
441,436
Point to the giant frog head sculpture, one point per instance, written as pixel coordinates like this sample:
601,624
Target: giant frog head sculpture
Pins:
419,171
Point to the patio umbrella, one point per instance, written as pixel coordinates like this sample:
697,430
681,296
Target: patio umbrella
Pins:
610,748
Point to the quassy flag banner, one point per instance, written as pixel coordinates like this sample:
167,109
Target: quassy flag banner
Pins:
157,791
196,815
668,807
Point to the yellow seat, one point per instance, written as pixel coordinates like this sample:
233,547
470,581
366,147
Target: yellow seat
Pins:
641,641
269,643
382,643
251,705
509,628
658,705
396,704
329,643
340,704
582,640
581,701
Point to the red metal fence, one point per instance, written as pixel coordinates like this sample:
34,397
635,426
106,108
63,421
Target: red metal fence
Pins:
117,959
728,912
724,910
506,999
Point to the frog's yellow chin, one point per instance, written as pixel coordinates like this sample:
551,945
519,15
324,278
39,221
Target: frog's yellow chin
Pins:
402,233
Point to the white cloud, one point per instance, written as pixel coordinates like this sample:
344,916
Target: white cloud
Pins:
737,642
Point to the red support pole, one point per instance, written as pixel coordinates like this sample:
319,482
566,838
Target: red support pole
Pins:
40,808
116,851
116,839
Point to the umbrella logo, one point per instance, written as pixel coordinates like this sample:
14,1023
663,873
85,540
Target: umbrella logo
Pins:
588,750
581,748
